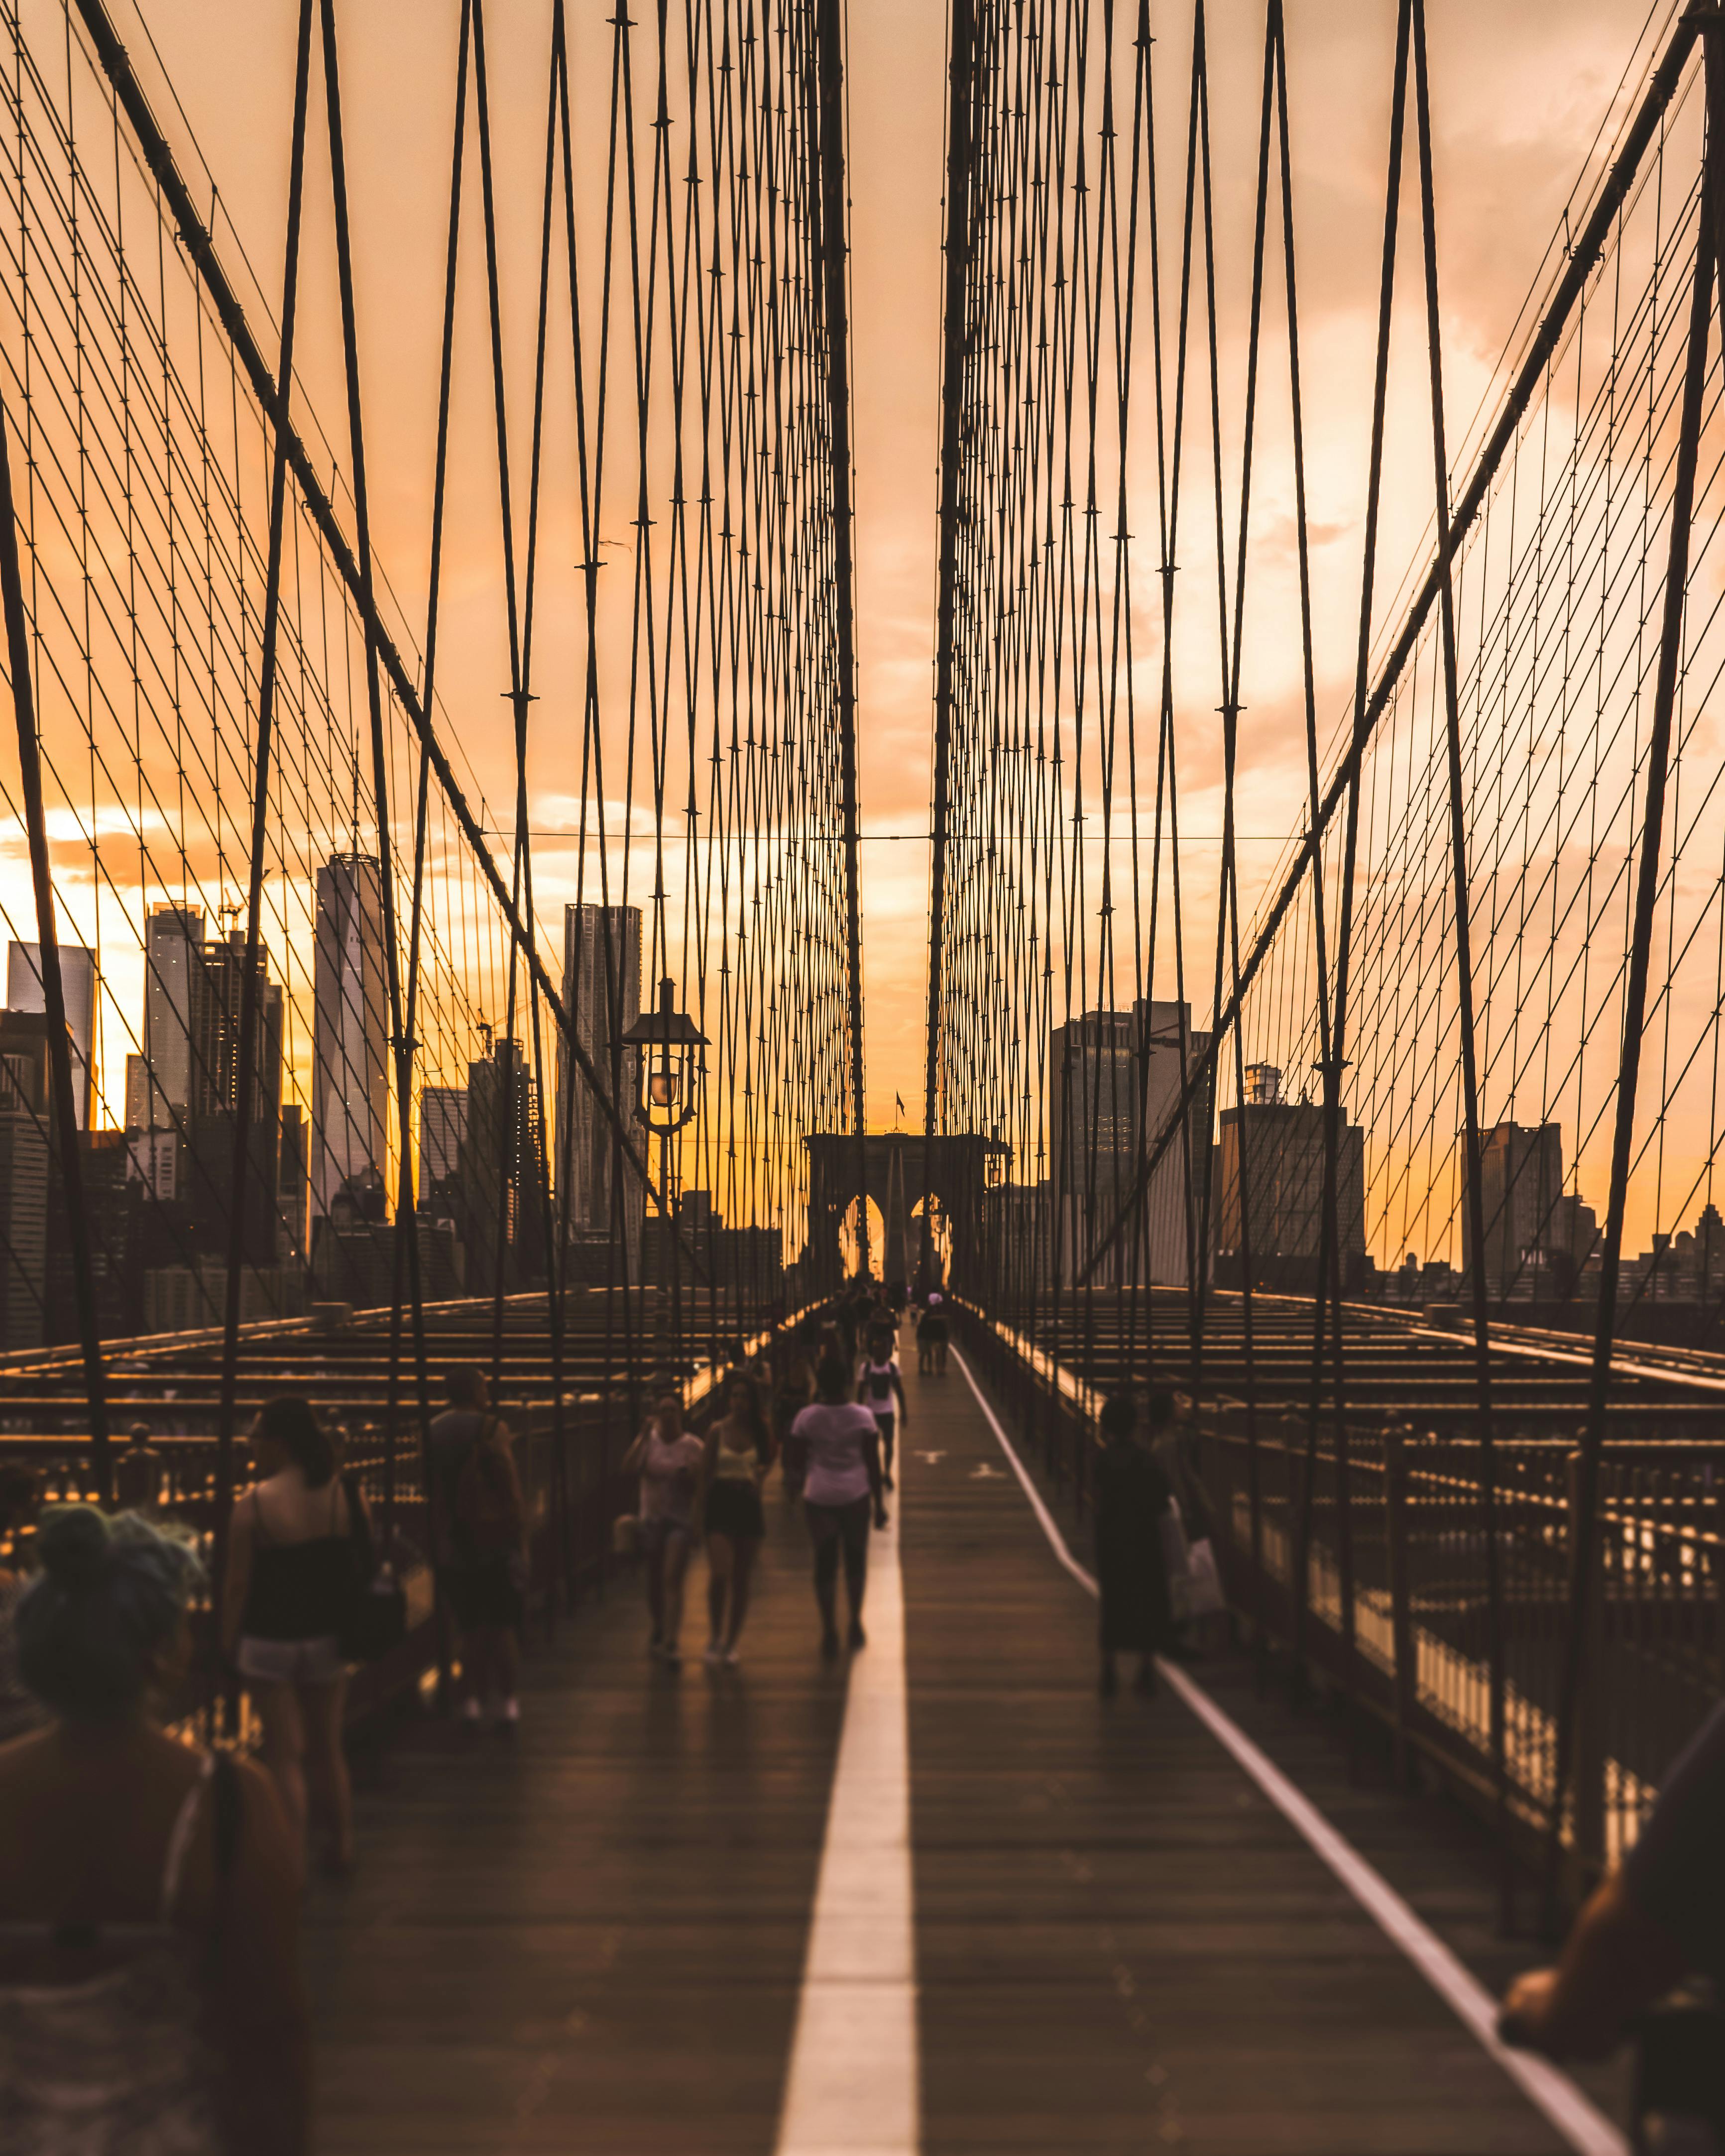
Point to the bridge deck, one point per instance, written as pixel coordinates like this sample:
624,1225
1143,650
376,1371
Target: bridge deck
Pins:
597,1941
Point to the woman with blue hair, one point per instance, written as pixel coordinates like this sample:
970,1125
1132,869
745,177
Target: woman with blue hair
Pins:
150,1998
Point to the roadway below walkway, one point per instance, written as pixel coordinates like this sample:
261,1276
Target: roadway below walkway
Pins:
600,1939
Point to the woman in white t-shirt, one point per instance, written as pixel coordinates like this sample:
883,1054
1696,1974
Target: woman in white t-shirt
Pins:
667,1458
841,1488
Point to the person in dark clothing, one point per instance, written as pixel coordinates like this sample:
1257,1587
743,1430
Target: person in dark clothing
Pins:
1131,1495
139,1473
1659,1917
481,1563
290,1565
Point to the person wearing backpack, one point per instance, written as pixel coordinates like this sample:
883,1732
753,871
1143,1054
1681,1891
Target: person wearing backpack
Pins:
480,1526
150,1993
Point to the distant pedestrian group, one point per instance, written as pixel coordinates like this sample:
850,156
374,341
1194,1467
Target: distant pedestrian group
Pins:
829,1425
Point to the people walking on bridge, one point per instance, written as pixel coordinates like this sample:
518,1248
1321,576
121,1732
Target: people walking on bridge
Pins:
150,1995
289,1579
480,1532
794,1391
140,1473
881,1389
931,1341
1131,1496
668,1460
736,1458
842,1488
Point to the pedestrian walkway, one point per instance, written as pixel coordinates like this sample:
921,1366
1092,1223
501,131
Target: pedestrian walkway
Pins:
628,1933
594,1940
1121,1943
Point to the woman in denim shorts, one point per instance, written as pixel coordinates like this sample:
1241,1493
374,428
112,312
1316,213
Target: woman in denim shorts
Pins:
291,1570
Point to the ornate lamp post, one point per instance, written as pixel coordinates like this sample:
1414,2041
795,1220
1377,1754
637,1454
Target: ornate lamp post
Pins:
668,1044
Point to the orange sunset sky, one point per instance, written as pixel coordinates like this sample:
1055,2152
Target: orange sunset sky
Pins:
1521,90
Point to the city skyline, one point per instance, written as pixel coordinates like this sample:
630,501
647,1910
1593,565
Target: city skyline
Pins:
321,923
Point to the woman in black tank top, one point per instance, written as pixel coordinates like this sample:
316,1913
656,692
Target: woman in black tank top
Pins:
298,1589
291,1570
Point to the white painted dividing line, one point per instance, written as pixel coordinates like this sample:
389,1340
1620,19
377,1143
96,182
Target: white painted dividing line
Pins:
854,2086
1581,2124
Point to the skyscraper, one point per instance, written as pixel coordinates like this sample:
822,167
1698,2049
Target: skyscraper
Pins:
1104,1104
350,1041
1527,1216
152,1154
182,1093
78,981
502,1169
292,1247
172,941
1268,1202
1173,1199
602,991
215,1004
1092,1128
443,1125
24,1180
24,1224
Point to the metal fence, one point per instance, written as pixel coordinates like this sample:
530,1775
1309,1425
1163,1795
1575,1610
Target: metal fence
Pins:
1391,1601
1368,1558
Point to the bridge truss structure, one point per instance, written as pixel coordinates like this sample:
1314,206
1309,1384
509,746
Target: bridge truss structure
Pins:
297,1031
298,1028
1473,1014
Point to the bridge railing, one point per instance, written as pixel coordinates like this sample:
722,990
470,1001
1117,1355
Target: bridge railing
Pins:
570,1463
570,1478
1390,1605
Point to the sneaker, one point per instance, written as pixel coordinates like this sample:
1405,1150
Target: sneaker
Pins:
859,1638
714,1652
668,1656
509,1716
471,1709
731,1658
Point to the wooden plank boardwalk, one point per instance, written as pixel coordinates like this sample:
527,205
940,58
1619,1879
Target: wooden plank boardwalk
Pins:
593,1941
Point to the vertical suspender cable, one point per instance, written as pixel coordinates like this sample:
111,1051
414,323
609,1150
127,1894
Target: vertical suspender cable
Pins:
1583,258
245,1054
1584,1588
962,64
407,1240
63,1122
1328,1302
834,222
1464,954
